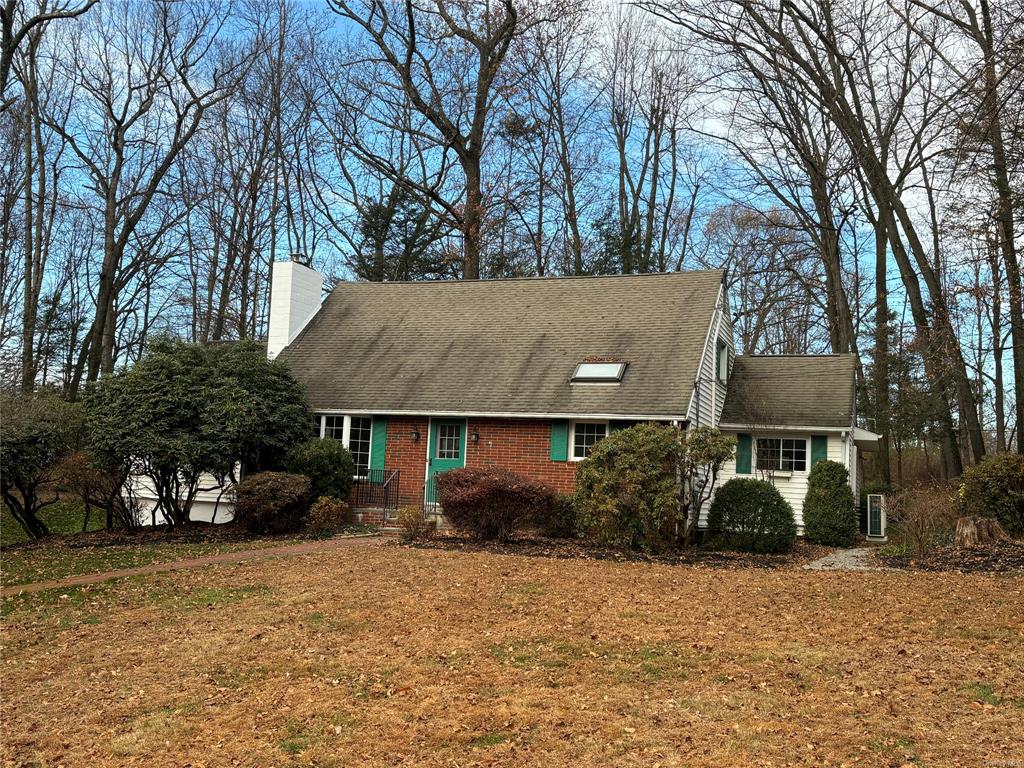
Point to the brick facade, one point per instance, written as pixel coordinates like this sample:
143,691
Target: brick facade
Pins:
520,445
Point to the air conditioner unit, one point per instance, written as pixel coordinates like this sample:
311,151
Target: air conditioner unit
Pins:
876,516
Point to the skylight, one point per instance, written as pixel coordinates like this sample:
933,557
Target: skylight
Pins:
601,373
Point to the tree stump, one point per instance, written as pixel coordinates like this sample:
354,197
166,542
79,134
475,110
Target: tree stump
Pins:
973,530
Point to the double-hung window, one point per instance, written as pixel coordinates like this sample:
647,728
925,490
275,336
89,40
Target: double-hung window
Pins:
355,435
781,454
585,435
359,443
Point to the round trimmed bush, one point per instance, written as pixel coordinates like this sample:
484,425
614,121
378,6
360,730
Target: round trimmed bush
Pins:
492,503
272,502
327,464
751,516
830,513
626,493
994,487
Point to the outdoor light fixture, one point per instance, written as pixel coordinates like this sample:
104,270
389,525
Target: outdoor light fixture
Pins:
415,434
474,436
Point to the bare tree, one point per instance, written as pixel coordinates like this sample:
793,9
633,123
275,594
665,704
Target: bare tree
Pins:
18,21
452,91
139,84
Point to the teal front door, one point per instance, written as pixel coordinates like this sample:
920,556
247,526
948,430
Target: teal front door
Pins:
446,450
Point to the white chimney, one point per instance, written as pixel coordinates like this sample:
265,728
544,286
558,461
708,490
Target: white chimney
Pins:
295,291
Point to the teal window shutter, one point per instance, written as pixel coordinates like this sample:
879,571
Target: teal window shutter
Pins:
559,440
819,448
743,454
378,442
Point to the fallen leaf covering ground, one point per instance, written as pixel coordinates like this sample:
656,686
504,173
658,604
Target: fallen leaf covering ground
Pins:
1000,557
803,552
392,656
57,557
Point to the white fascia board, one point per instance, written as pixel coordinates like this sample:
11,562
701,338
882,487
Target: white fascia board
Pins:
781,428
501,414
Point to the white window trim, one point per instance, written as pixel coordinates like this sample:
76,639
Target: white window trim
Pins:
572,435
782,472
346,435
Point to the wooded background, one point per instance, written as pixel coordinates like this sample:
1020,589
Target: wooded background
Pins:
856,166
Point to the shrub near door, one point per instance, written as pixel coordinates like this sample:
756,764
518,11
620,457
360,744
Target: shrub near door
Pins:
492,504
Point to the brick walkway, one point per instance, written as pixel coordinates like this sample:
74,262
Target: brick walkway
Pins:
303,548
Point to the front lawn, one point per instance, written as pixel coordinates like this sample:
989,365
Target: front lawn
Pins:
62,558
385,655
62,517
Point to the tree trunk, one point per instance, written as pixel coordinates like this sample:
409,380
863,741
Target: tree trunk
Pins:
881,361
1005,196
973,531
472,219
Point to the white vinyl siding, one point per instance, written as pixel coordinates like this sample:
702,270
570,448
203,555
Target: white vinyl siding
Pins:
792,486
709,393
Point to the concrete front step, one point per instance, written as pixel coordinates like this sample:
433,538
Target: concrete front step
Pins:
375,516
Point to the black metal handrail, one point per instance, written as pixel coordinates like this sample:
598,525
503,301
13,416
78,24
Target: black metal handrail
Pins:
377,489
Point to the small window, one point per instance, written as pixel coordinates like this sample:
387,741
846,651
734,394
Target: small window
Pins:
607,373
449,437
776,454
359,443
585,435
722,361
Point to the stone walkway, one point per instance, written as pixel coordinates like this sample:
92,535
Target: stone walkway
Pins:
302,548
856,559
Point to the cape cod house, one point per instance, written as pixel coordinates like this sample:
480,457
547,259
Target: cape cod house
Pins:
417,378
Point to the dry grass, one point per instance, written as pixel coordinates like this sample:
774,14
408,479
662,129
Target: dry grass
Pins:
393,656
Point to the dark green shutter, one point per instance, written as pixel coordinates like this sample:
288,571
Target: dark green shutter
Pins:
743,453
819,448
559,440
719,349
378,442
615,426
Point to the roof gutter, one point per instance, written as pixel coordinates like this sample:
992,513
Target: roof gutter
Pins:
782,428
503,414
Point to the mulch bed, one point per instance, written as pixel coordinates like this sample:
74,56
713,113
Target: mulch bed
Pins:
1005,557
572,549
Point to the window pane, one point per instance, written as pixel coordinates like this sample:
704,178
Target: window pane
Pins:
783,454
585,435
599,372
768,453
449,438
359,443
334,427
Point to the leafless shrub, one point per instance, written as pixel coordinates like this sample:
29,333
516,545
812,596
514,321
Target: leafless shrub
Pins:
922,516
415,526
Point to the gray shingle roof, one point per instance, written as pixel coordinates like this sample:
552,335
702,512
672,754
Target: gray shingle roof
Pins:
797,390
507,346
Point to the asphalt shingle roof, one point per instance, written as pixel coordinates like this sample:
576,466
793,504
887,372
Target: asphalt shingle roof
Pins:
507,346
797,390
